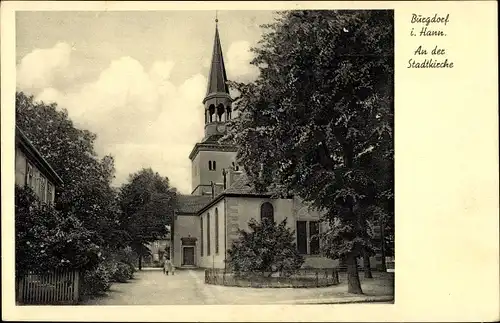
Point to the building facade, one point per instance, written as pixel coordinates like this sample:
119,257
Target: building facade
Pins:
33,170
223,199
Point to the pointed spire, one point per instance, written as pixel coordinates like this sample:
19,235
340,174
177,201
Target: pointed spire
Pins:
217,78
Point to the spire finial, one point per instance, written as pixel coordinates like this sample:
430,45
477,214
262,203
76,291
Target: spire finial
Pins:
216,20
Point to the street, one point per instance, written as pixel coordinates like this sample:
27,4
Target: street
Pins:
187,287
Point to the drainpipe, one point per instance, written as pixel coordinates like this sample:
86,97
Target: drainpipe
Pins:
225,235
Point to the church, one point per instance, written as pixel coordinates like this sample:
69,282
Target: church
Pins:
223,200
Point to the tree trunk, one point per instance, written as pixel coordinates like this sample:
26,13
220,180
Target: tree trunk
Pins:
353,283
366,265
140,262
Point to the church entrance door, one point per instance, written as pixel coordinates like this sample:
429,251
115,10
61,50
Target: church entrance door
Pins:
188,256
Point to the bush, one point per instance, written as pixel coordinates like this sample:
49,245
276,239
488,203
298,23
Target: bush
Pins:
122,273
48,239
268,248
97,281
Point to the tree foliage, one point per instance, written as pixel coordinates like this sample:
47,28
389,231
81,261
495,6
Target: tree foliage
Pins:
267,247
87,192
318,121
47,239
147,203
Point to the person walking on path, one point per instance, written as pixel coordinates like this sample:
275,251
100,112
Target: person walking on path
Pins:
168,267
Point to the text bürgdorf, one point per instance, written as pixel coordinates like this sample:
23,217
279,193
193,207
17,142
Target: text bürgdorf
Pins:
426,30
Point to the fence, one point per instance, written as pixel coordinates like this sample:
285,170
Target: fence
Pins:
390,263
302,278
58,287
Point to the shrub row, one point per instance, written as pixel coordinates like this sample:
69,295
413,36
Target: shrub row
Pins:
99,280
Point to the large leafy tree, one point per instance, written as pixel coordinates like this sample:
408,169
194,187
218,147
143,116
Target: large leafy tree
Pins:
318,121
87,192
147,202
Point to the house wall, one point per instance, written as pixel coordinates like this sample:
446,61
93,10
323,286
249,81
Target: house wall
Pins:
20,168
37,181
215,259
157,248
185,226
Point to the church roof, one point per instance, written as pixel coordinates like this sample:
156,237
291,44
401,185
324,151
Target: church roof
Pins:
242,186
191,204
217,78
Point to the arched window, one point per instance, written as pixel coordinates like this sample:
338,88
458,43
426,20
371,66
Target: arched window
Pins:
228,113
216,231
211,111
209,165
266,212
220,111
208,234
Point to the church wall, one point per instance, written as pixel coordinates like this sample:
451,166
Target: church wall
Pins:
241,209
303,213
185,226
195,172
214,259
201,172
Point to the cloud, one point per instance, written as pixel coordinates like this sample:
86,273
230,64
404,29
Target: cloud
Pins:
40,68
239,57
139,115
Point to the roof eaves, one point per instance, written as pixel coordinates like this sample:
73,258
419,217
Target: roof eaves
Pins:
32,149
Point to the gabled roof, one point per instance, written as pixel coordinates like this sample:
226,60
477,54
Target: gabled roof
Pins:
35,157
217,78
243,186
191,204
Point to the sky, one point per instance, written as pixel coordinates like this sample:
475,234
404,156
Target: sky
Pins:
136,79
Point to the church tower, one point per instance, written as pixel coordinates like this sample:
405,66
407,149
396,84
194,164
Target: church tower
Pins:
209,158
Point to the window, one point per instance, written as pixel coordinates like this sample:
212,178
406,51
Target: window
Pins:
208,234
216,231
29,175
214,165
50,192
202,236
302,237
266,212
307,239
43,192
211,112
36,182
209,165
220,111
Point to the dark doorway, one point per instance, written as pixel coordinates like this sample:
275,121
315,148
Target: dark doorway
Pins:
188,256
